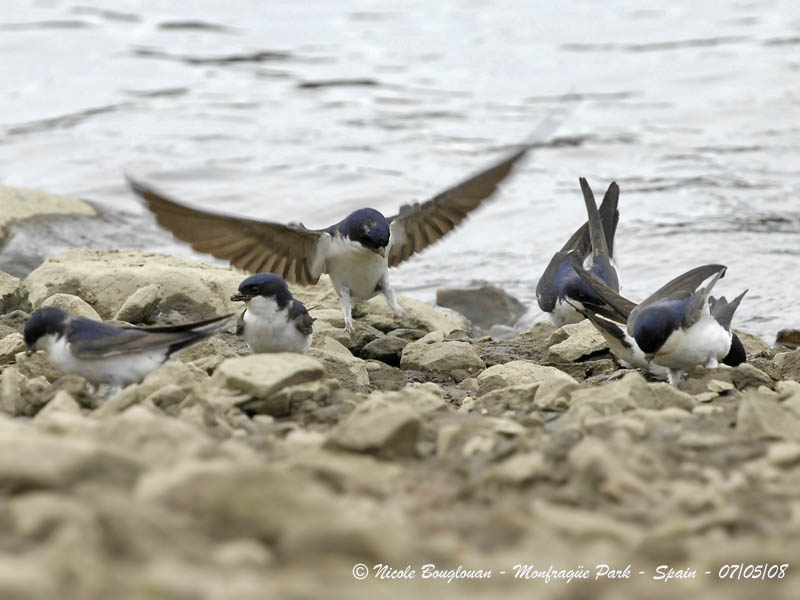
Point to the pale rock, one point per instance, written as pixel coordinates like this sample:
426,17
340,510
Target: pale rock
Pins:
379,427
716,385
172,372
784,454
753,345
107,278
208,354
261,376
324,329
329,344
10,346
350,371
419,315
707,410
519,468
789,364
573,341
20,204
441,357
762,416
62,402
72,305
139,305
11,386
10,292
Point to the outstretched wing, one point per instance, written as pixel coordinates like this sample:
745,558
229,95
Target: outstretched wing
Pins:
293,252
418,226
91,339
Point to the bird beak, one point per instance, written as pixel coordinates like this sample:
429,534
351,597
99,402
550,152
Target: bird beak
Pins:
240,298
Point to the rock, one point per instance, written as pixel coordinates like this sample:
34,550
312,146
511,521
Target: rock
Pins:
33,459
208,354
388,349
10,296
571,342
363,335
484,306
519,468
530,345
784,454
588,404
138,307
520,372
261,376
762,416
10,346
789,364
20,204
411,335
325,329
72,305
442,357
172,372
167,398
350,371
419,316
753,345
106,279
11,385
788,337
378,427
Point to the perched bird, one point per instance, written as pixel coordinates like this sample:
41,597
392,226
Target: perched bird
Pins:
560,292
105,353
273,321
356,252
674,327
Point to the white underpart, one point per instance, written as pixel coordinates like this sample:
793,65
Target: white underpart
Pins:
269,329
120,369
355,272
357,268
564,313
705,343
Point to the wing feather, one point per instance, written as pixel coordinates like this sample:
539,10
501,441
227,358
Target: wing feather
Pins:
247,244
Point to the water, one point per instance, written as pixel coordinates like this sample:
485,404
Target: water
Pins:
306,110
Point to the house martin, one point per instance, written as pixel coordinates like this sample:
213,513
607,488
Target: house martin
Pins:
560,292
356,252
105,353
675,326
273,321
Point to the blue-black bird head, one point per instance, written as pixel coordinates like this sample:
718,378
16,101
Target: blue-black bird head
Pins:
657,322
368,227
268,285
45,321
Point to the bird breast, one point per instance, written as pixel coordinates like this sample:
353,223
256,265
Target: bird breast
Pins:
357,268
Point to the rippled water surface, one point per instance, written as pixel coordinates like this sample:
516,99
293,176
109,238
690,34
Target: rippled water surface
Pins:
306,110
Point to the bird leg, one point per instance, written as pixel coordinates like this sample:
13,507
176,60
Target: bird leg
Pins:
675,376
347,310
391,299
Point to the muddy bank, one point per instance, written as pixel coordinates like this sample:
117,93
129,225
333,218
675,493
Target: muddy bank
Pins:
225,475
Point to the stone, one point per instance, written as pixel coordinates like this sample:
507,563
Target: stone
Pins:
364,334
519,468
753,345
762,416
351,372
106,279
325,329
441,357
208,354
72,305
20,204
139,306
11,385
261,376
574,341
388,349
10,293
411,335
789,364
784,454
483,307
172,372
10,346
419,315
788,337
62,402
378,427
519,372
